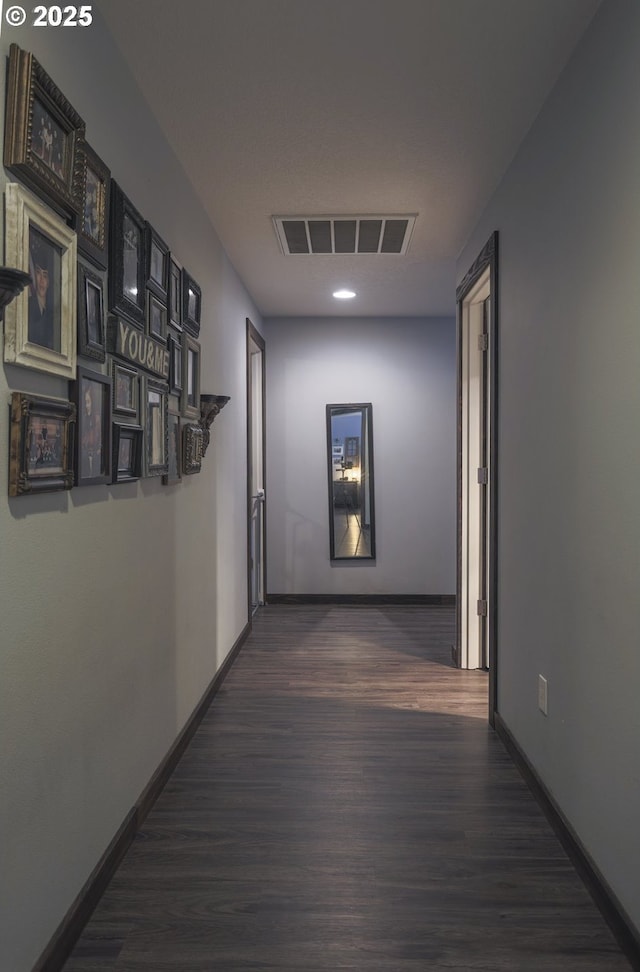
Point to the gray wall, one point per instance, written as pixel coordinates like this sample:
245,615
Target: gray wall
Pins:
118,604
406,369
569,462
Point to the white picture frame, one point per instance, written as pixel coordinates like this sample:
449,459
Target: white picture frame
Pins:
51,346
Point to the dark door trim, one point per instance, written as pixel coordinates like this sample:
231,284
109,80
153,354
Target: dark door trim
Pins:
488,257
258,340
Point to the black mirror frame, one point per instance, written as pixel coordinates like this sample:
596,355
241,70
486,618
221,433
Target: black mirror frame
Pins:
332,410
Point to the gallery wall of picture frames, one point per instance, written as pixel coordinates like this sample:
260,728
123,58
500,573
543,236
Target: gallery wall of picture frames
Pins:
107,307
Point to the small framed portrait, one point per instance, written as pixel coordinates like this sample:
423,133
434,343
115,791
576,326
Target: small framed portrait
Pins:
175,364
190,398
174,471
92,222
126,390
126,453
44,135
191,304
92,393
156,317
40,324
127,260
175,295
41,444
158,262
156,397
91,312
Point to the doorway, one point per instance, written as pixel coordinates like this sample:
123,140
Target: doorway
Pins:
256,529
476,601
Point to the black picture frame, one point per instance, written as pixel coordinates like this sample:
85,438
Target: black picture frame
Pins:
156,317
158,262
173,476
175,295
92,395
41,444
190,393
126,461
92,222
156,428
191,304
91,312
126,390
174,343
44,136
127,258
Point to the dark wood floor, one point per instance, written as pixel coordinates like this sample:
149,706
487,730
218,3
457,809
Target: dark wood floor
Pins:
344,805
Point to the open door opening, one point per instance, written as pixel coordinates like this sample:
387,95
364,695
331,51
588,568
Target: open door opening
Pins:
477,527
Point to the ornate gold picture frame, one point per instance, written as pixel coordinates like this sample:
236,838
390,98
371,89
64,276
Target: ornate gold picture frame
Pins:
41,444
44,134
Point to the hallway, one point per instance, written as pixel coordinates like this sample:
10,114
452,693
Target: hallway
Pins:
344,805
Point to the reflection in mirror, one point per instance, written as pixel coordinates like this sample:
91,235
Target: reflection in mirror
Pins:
350,465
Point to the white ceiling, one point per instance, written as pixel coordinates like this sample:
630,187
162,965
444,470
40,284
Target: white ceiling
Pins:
278,107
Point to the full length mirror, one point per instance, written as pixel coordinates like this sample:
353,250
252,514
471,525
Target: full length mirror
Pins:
350,464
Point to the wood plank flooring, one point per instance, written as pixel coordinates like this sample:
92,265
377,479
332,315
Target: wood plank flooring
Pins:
351,539
344,805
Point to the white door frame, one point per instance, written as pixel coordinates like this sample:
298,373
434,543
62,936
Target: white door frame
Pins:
476,601
474,588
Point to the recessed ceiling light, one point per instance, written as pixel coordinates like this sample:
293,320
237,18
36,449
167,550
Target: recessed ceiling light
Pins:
344,294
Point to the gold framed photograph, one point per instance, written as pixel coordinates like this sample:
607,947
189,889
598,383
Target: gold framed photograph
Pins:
41,323
41,444
44,134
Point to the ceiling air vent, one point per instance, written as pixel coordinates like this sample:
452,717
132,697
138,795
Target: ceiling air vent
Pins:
315,235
